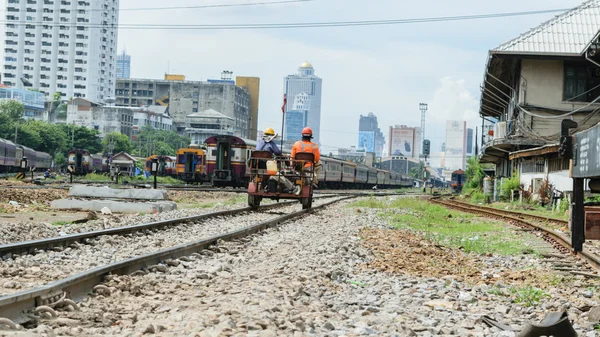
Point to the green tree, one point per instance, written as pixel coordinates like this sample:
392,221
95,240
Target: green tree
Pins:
61,111
120,141
163,149
149,140
85,139
474,173
12,109
417,171
59,158
53,137
27,136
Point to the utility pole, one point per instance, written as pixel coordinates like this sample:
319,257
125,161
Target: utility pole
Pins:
423,108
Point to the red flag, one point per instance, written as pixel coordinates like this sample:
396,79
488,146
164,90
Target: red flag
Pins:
284,103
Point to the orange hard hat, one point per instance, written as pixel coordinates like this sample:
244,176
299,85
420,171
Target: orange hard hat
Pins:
307,131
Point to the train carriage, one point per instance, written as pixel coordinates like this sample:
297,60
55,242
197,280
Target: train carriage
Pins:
348,174
227,160
457,181
166,165
333,172
191,164
361,175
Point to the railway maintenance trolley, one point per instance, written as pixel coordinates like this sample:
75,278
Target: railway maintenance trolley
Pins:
266,172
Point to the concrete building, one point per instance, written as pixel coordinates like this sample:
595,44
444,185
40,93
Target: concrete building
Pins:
204,124
456,145
154,117
536,80
105,119
252,85
295,121
404,141
370,133
33,102
305,84
123,65
60,46
470,143
399,164
187,97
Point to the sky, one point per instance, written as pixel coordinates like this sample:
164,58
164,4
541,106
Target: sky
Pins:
387,70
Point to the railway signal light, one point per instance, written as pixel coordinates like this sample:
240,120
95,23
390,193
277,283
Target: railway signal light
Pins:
426,147
565,148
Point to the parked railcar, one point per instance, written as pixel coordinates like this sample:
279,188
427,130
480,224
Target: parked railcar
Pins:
227,160
166,165
191,164
457,181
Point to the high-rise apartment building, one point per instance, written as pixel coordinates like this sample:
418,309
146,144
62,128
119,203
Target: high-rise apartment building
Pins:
470,147
123,65
252,85
456,145
370,137
66,46
305,86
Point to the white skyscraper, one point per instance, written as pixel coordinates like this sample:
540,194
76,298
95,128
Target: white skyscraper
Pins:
304,89
61,45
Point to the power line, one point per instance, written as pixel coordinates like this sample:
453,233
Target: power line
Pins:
147,26
250,4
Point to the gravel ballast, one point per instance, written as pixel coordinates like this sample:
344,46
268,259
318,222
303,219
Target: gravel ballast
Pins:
311,277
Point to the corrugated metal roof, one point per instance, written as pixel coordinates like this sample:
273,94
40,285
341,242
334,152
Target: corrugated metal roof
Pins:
567,34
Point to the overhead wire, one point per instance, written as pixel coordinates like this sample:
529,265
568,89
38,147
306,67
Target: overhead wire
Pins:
148,26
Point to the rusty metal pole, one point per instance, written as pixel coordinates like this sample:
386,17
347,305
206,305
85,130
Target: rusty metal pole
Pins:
578,215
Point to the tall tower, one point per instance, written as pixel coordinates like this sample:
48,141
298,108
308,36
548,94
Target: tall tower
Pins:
66,46
123,65
423,108
305,83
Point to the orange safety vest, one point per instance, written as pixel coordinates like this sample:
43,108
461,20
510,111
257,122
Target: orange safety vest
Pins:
302,146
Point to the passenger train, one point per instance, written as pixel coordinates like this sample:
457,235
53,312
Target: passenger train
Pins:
227,165
11,155
83,162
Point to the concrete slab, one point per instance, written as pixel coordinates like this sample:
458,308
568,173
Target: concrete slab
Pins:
114,206
114,193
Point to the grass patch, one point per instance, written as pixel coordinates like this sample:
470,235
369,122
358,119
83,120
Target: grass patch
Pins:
96,177
532,209
448,227
60,223
528,295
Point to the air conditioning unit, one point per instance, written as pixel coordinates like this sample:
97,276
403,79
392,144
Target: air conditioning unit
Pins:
500,130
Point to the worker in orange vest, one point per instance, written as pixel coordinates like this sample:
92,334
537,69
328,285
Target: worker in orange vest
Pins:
306,145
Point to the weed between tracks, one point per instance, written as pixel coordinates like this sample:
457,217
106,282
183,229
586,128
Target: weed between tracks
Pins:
528,296
450,228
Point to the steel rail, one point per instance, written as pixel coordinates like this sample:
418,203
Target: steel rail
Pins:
561,239
63,241
17,306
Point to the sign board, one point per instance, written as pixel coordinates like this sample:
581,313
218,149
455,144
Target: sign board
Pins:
71,168
402,141
366,141
586,154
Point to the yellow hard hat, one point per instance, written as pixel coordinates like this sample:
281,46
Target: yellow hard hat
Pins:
269,131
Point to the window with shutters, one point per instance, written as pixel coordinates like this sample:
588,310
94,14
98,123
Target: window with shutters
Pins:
581,82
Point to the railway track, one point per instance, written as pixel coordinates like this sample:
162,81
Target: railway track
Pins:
18,306
563,261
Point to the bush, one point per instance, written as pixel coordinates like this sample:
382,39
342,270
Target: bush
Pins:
510,184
